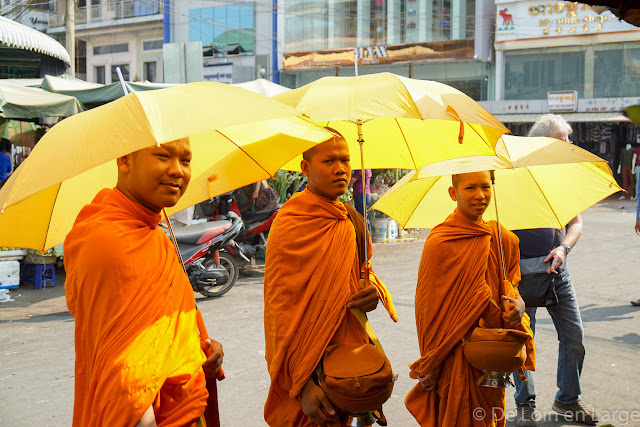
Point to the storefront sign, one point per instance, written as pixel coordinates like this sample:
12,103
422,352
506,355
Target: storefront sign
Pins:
531,19
371,53
562,101
414,52
222,73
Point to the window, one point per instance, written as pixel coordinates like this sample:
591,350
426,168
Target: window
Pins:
100,76
152,45
37,5
111,48
531,76
149,71
620,80
124,68
231,28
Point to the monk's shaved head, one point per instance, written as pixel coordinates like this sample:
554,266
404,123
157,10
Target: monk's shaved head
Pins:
472,193
308,155
327,168
455,179
156,177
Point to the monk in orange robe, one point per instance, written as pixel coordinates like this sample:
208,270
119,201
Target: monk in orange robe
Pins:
139,358
460,274
312,275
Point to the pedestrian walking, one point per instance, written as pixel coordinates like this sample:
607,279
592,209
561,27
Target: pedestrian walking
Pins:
546,283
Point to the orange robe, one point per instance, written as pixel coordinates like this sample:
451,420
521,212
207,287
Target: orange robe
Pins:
136,338
310,272
459,274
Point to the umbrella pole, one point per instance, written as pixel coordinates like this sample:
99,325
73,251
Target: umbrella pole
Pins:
173,239
495,201
364,199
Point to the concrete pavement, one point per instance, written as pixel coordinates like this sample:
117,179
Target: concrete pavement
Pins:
37,356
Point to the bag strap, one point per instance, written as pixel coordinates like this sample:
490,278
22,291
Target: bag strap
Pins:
361,239
362,319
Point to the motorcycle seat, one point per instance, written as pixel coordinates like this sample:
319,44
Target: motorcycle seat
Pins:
198,234
257,216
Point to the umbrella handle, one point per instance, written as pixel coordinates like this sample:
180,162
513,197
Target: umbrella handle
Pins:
364,193
495,201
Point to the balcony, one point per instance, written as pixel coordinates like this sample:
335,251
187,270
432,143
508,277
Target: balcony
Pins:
108,11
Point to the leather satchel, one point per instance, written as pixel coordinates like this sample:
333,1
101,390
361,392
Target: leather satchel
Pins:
356,377
496,349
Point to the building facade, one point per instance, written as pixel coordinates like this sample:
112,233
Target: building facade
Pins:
444,40
114,33
564,57
237,37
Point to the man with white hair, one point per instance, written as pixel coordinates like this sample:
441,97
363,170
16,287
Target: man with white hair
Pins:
546,283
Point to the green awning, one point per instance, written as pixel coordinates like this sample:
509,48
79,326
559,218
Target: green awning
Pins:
18,102
94,93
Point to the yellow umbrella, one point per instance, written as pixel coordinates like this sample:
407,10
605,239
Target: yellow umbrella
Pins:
403,123
76,158
19,132
395,121
528,196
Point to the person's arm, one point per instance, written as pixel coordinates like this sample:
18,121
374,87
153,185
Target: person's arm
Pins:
430,380
148,418
558,254
213,350
256,190
638,217
366,298
315,404
633,162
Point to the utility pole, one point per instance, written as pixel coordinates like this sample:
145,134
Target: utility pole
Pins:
70,38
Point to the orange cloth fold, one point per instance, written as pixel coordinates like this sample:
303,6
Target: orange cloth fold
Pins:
136,338
460,271
311,270
383,294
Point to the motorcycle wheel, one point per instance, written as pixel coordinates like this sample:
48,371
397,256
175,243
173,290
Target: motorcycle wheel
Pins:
230,264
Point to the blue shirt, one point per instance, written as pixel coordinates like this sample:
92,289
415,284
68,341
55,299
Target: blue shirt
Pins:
5,166
539,242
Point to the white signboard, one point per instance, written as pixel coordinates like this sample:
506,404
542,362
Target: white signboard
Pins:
222,73
562,101
531,20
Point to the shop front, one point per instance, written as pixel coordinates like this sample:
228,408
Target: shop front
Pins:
568,59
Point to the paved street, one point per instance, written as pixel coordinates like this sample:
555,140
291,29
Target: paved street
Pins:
37,356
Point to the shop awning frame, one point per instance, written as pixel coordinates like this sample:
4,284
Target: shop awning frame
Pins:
20,36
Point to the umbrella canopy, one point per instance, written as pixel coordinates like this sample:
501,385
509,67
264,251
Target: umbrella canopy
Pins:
405,123
263,87
18,132
543,196
76,158
20,102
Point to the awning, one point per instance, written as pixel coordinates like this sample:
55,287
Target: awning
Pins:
20,102
94,93
20,36
610,116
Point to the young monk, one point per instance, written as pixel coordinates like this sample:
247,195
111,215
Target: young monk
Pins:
312,277
459,274
139,359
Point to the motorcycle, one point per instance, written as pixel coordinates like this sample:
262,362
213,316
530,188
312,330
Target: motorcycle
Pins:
211,272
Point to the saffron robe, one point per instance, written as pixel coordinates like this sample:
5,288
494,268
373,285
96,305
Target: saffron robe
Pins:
311,270
459,274
136,337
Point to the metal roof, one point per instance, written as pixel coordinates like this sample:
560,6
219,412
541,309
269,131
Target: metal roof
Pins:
20,36
605,116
